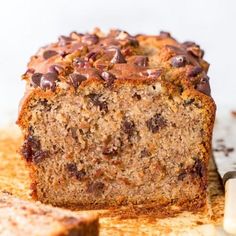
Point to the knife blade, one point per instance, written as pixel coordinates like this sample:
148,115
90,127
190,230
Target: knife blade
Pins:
224,152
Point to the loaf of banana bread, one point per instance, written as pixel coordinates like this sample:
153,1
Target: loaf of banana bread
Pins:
21,218
115,119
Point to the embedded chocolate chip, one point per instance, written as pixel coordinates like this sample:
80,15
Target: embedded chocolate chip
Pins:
90,39
91,56
199,168
155,123
182,175
118,57
55,69
137,96
178,61
35,79
49,53
96,188
108,77
76,79
29,148
195,71
72,168
81,63
204,86
96,100
111,151
128,127
141,61
64,40
144,153
48,81
165,34
39,156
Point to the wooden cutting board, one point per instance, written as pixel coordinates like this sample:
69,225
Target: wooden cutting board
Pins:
123,221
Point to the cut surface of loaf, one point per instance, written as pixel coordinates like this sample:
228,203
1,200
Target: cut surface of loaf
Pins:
19,217
114,119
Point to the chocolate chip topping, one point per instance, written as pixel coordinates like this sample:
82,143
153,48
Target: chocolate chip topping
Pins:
141,61
81,63
63,40
76,79
108,77
156,123
48,81
55,69
90,39
193,49
118,57
165,34
49,53
194,71
178,61
36,79
91,56
151,73
204,86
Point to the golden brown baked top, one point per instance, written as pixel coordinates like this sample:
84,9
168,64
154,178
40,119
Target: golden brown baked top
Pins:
117,55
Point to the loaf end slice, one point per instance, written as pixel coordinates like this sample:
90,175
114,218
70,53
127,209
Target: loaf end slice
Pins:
19,217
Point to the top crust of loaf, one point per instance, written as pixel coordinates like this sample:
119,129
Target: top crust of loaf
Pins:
115,59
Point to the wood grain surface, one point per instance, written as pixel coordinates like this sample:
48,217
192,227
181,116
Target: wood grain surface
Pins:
126,220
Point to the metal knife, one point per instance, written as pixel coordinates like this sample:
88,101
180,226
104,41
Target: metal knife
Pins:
224,152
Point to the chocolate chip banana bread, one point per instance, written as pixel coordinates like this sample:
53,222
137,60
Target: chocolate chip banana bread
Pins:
21,218
115,119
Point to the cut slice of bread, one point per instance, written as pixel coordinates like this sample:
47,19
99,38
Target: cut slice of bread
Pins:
21,218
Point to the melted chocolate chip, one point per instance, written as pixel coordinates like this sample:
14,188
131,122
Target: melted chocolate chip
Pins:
137,96
90,39
48,81
128,127
145,153
156,123
55,69
63,40
49,53
182,175
141,61
194,71
118,57
96,100
178,61
39,156
76,79
108,77
36,79
199,168
81,63
72,168
96,188
204,86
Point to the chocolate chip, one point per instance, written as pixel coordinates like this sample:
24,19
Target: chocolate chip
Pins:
118,57
72,168
189,101
48,81
199,168
29,148
187,44
128,127
165,34
144,153
76,79
155,123
96,188
182,175
39,156
110,151
108,77
178,61
81,63
204,86
137,96
91,56
193,72
96,100
151,73
90,39
55,69
141,61
63,54
35,79
49,53
64,40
